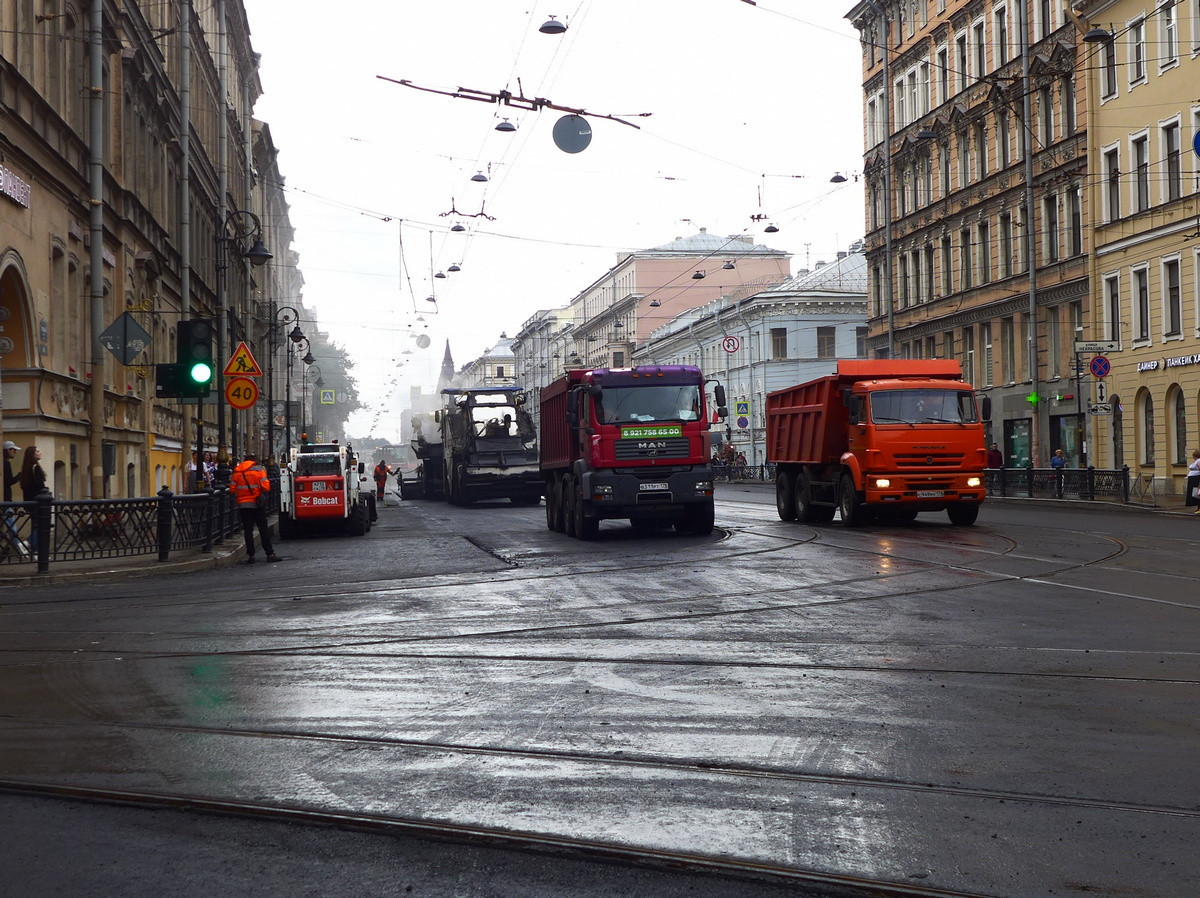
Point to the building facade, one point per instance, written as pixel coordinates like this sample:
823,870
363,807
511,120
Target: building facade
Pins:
105,245
755,342
976,129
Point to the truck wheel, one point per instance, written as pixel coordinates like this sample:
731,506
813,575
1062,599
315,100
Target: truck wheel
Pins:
356,523
785,495
585,528
566,492
851,507
373,508
700,519
464,498
963,514
550,522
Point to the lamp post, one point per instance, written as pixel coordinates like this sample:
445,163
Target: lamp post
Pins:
245,242
283,316
308,360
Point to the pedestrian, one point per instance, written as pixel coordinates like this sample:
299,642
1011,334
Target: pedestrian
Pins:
381,476
250,484
209,466
1193,482
1058,460
995,459
193,473
33,480
11,533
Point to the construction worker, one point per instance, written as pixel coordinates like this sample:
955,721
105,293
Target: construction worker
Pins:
250,485
381,476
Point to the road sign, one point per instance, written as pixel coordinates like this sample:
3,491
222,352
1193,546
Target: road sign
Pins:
1097,346
1099,408
1101,391
731,344
1099,366
241,392
125,338
327,397
242,364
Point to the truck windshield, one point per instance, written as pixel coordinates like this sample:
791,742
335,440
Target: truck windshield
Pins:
314,465
923,407
495,420
649,403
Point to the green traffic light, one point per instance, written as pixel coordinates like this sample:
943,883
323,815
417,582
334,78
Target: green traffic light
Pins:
200,372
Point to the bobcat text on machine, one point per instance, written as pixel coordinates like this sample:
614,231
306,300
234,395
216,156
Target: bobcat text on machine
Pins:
628,443
488,447
324,484
883,438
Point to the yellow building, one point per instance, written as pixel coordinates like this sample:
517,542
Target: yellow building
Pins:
1146,192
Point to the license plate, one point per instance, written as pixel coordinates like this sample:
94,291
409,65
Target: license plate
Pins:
318,486
931,494
646,487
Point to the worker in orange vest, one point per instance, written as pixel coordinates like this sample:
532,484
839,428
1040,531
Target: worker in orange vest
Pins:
250,485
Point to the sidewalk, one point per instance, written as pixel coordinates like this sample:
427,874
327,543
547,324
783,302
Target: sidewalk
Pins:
230,552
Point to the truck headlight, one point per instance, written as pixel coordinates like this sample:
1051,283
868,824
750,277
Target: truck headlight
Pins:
882,483
704,486
602,492
974,482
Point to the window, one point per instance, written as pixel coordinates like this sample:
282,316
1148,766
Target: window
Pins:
499,370
1112,305
931,348
903,260
1174,173
618,359
943,64
1008,352
1141,303
1053,342
985,252
985,343
1112,183
1050,228
1067,92
1108,69
1168,25
1046,116
947,267
1075,221
1006,244
964,160
981,155
1141,166
898,93
980,50
968,356
1137,52
1045,17
944,163
927,270
964,256
1147,429
826,342
860,342
1172,305
1181,445
961,61
779,343
1004,157
1000,33
948,345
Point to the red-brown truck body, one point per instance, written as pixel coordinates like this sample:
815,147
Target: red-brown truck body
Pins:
627,443
883,437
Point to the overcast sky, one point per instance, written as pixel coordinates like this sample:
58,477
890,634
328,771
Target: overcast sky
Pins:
753,109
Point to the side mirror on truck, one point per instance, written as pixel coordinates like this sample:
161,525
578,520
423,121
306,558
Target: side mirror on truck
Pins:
362,467
719,395
985,408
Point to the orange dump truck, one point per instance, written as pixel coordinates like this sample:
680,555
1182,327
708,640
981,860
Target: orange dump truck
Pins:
884,438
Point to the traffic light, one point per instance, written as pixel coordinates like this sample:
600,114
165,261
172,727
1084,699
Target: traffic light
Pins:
166,381
194,357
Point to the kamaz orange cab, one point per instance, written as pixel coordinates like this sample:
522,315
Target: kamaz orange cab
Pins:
883,438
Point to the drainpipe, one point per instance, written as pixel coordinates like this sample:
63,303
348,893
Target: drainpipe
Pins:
223,459
96,246
1030,250
185,217
887,178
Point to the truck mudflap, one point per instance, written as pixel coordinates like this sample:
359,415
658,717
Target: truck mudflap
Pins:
318,504
649,493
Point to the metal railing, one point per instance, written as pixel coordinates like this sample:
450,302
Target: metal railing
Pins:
1087,483
48,530
734,473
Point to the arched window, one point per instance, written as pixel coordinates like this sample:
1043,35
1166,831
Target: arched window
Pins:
1179,426
1118,432
1147,424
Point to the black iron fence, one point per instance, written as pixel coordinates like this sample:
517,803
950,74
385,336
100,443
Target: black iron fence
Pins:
1059,483
48,530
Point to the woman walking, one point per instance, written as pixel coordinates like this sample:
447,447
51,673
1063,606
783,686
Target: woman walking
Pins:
33,481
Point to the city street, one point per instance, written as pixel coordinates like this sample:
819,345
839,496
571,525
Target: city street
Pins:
1007,709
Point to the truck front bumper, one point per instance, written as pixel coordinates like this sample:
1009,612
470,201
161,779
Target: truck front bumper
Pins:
927,492
652,493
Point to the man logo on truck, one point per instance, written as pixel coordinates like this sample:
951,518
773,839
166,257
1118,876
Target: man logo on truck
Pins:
652,448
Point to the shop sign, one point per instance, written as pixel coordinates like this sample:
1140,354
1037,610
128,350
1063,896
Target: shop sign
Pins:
14,188
1181,360
1148,366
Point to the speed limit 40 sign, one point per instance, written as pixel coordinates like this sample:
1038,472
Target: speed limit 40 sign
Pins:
241,392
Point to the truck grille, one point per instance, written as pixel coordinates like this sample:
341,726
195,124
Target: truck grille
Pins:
675,447
928,459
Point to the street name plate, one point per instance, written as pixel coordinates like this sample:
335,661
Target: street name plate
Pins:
1094,346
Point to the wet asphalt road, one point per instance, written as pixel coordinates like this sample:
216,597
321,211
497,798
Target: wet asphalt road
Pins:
1008,709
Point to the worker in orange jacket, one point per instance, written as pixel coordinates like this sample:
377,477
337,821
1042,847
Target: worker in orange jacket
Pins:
250,485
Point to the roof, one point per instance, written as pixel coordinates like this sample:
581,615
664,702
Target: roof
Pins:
712,244
846,275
